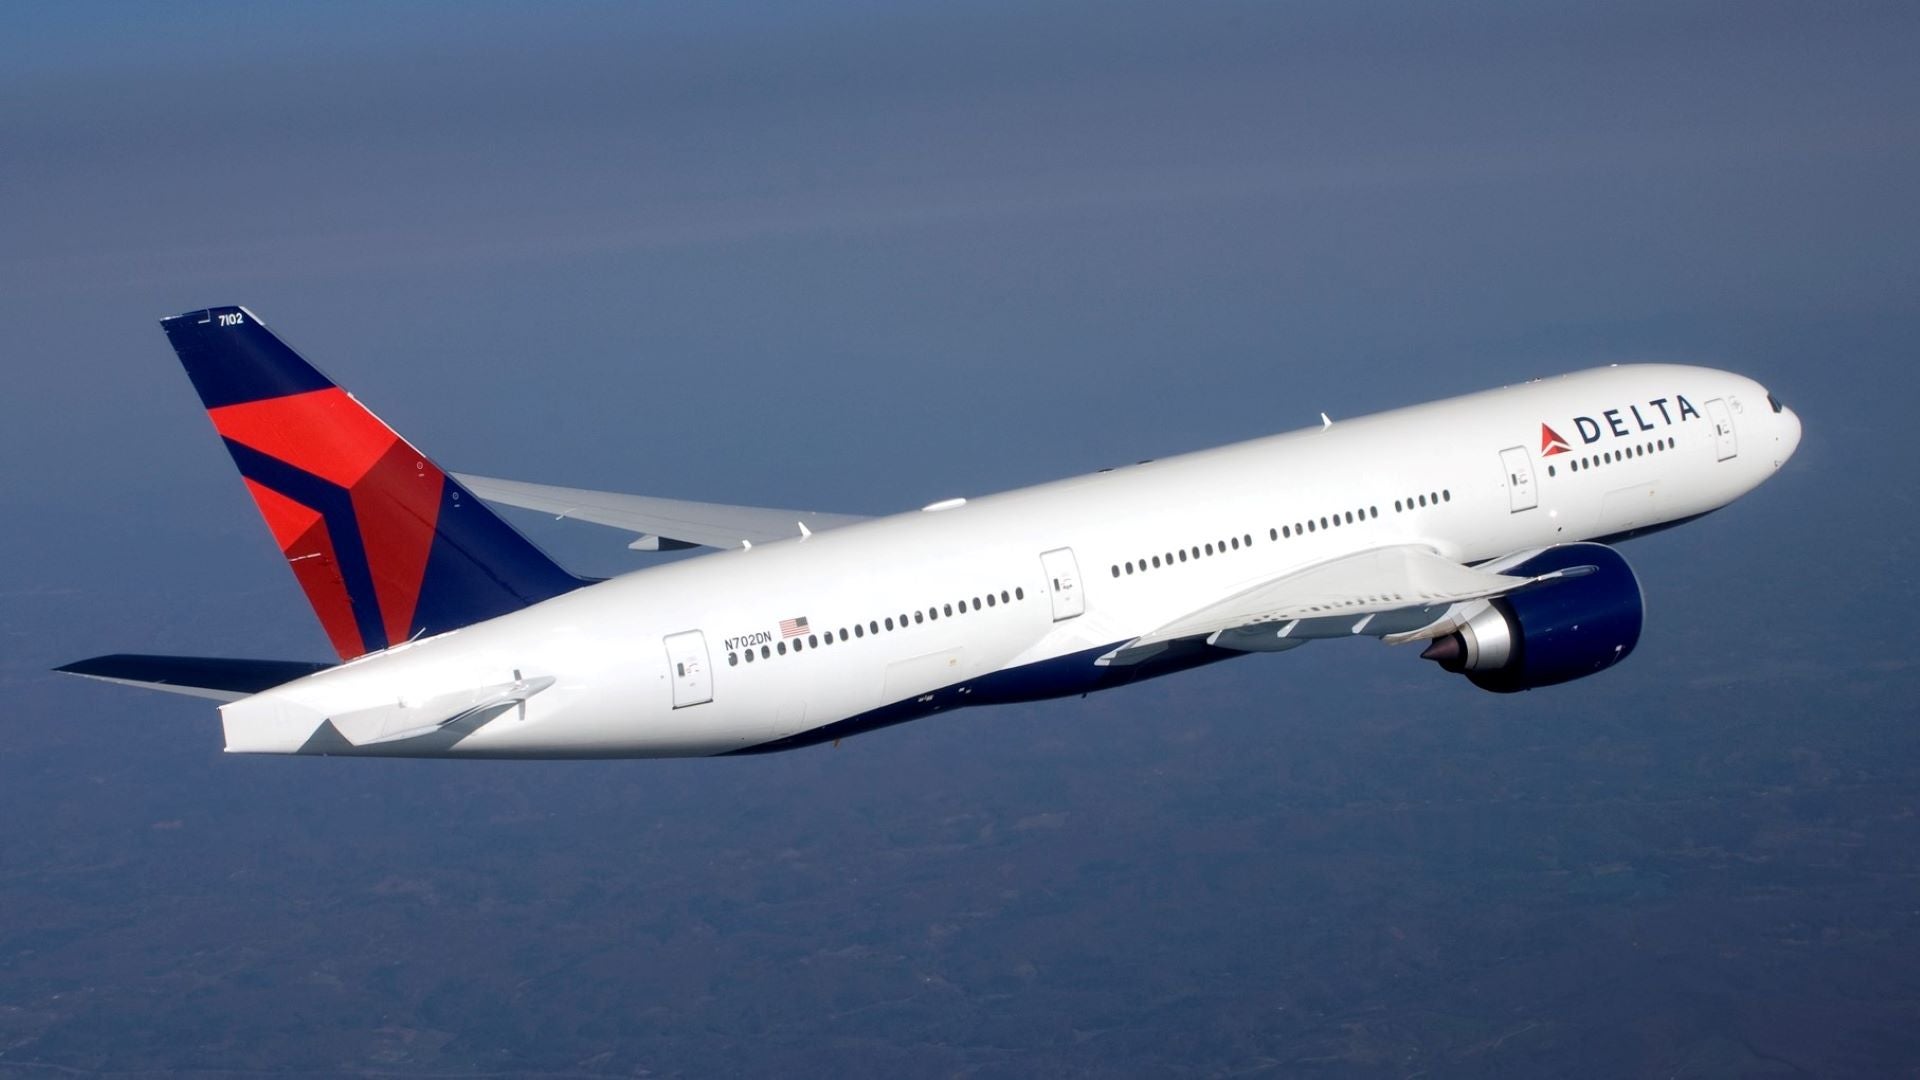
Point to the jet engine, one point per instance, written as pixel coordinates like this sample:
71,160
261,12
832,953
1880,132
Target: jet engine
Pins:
1568,627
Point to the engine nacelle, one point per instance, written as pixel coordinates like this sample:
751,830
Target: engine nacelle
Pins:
1552,632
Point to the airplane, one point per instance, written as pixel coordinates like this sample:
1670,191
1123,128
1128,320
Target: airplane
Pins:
1479,528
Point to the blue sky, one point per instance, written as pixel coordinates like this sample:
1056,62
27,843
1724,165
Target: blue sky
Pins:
863,256
644,249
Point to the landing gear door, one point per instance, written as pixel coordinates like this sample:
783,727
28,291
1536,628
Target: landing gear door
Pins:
1518,466
1063,576
687,669
1724,442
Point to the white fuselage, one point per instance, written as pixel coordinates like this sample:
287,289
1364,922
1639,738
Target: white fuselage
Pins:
1133,548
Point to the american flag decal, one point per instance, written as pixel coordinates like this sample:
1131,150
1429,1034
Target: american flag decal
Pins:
793,627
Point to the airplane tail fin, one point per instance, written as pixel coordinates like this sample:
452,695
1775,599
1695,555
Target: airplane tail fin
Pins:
386,545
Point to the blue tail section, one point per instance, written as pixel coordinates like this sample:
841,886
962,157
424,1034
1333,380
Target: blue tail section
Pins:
386,545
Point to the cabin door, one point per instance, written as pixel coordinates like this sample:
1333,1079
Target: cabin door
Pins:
687,667
1518,465
1724,443
1063,574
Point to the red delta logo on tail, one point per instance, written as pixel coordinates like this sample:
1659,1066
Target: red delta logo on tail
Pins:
392,501
1551,443
386,546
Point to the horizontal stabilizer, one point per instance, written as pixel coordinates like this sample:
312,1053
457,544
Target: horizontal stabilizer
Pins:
197,676
662,524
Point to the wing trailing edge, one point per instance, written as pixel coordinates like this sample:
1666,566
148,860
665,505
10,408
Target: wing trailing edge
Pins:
662,524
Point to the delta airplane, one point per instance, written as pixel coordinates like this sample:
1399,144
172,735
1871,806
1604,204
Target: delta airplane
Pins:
1477,527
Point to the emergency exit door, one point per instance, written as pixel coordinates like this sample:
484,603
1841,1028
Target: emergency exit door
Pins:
687,669
1518,465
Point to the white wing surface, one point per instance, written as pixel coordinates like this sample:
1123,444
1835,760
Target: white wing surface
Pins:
1391,592
662,524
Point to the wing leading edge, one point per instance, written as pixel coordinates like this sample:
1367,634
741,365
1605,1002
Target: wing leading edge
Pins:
662,524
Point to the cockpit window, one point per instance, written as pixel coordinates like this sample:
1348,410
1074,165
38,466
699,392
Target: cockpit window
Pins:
1775,402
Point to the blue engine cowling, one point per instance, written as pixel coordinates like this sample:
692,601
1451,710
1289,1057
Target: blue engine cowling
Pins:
1552,632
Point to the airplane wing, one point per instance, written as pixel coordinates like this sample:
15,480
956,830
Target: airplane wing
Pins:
1399,593
662,524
